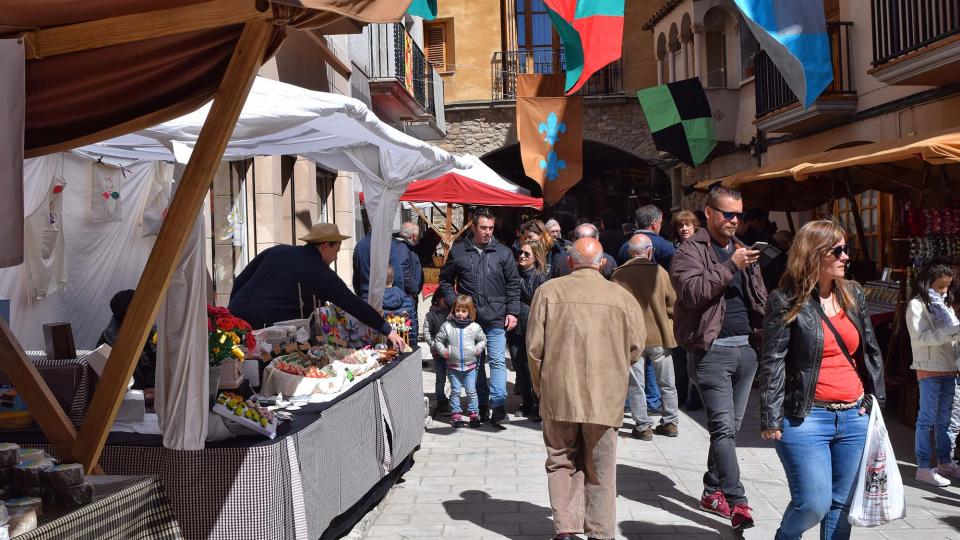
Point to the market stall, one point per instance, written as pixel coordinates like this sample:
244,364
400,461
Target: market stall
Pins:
920,172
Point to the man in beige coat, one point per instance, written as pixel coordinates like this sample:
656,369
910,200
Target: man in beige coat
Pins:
582,335
650,284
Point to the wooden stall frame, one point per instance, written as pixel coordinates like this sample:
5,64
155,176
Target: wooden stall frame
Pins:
85,447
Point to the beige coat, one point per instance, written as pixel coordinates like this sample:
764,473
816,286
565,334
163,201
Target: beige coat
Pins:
582,336
650,284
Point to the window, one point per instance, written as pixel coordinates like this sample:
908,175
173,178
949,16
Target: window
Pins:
748,48
535,33
437,45
716,33
876,214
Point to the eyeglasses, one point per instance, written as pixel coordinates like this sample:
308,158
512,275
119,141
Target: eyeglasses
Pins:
729,216
838,250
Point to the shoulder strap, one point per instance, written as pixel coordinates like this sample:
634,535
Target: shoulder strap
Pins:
836,335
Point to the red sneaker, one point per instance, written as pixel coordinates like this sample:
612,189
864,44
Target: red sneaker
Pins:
715,503
740,518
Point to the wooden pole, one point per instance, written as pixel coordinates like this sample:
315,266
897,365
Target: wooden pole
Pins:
790,225
186,203
857,218
34,390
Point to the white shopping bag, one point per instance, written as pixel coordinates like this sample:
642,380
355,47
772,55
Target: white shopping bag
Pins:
878,497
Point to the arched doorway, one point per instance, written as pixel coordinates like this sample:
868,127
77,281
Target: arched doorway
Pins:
612,179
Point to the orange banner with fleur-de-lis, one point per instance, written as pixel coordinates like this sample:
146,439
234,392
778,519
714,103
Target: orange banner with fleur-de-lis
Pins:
550,130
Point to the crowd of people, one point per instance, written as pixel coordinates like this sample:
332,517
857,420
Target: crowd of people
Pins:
699,313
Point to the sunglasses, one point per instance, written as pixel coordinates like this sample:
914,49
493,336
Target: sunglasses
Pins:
729,216
525,254
839,250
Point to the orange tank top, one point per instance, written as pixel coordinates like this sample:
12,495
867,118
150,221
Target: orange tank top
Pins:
838,380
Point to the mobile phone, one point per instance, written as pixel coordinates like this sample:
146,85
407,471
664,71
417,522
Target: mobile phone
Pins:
758,246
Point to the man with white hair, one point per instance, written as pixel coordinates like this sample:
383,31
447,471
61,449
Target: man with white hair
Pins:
582,335
553,227
585,230
412,271
650,284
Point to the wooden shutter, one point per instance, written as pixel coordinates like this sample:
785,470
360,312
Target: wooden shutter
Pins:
436,41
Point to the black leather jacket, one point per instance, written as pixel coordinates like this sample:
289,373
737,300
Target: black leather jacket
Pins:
791,355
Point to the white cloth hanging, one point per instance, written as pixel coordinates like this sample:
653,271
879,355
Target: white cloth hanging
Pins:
105,193
44,250
158,199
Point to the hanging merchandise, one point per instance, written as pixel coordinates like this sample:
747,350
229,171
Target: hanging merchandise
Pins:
43,244
592,35
105,193
234,229
158,199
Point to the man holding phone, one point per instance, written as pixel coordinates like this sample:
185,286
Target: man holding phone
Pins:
720,304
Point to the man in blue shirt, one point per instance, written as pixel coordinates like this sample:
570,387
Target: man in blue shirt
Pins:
281,283
649,220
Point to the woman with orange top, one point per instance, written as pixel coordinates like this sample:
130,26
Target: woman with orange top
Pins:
934,332
819,365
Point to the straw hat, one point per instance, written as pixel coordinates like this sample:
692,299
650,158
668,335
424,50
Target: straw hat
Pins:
324,232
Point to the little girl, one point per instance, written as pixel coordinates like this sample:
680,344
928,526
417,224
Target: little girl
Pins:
461,341
934,331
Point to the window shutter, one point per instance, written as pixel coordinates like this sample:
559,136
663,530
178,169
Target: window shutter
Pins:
435,36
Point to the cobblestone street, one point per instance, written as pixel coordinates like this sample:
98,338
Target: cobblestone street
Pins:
479,483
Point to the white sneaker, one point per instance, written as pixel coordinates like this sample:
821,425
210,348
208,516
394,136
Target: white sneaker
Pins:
932,477
949,469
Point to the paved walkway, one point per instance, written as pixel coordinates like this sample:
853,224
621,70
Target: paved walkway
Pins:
484,484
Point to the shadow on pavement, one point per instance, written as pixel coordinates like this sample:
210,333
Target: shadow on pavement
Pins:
521,518
660,491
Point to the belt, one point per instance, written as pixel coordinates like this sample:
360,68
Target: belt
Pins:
837,405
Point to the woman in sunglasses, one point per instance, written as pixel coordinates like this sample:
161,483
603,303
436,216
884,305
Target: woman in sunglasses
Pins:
819,365
533,269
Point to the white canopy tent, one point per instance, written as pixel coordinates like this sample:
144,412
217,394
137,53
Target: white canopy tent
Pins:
481,172
338,132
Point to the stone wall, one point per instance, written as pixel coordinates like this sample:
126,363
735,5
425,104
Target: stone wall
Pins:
481,129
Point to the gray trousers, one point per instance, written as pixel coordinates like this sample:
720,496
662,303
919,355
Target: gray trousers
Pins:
663,366
954,430
724,376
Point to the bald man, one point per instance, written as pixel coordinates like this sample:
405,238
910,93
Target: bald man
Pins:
583,334
650,284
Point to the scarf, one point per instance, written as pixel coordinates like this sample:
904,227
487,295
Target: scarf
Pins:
942,314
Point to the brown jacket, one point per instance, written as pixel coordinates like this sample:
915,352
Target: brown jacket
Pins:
700,279
650,284
582,335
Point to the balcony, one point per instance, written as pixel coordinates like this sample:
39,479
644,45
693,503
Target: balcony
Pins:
404,87
505,65
916,42
779,110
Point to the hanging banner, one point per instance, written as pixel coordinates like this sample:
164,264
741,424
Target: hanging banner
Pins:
678,115
592,35
408,63
105,194
794,35
12,99
423,8
550,130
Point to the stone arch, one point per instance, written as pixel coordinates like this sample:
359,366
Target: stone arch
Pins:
661,46
686,29
720,44
673,42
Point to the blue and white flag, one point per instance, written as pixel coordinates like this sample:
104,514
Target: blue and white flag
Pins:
794,35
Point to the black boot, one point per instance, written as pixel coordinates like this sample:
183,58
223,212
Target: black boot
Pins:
498,416
484,413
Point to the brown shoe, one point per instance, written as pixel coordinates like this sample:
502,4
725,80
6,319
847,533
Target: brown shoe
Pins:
668,430
643,435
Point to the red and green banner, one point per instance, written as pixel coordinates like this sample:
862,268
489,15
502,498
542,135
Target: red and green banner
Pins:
592,35
423,8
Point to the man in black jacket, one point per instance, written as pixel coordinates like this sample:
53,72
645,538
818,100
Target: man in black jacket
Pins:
485,269
412,272
282,281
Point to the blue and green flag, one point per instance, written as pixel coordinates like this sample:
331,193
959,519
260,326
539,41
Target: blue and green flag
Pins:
592,35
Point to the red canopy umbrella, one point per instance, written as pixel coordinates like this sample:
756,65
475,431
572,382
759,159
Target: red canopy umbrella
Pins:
455,188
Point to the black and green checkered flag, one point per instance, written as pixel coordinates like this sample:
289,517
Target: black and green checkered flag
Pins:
680,121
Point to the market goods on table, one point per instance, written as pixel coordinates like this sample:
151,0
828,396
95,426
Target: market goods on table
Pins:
248,414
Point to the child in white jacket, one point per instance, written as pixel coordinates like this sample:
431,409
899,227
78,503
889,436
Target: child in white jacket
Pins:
460,342
934,332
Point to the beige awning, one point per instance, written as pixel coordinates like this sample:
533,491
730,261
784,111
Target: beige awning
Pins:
901,167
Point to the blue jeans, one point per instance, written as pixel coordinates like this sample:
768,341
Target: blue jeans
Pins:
660,361
651,389
496,394
821,456
936,405
463,379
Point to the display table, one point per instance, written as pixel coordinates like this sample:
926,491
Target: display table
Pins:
123,507
319,466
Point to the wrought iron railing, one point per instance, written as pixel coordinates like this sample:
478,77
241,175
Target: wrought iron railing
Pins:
903,26
771,89
395,55
505,65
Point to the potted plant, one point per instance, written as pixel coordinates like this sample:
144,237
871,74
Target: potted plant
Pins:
226,334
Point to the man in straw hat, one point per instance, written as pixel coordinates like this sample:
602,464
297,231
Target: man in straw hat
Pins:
276,283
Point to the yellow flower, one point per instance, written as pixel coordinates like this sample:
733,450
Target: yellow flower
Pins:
237,353
234,337
153,340
216,350
223,338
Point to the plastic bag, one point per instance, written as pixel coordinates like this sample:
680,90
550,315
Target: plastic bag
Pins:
878,497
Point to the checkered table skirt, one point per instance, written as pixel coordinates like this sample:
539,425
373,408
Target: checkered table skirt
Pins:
294,487
123,508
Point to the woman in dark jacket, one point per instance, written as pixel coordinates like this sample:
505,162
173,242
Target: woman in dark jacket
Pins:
531,264
819,365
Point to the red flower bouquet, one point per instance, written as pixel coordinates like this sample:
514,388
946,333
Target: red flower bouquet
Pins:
226,334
